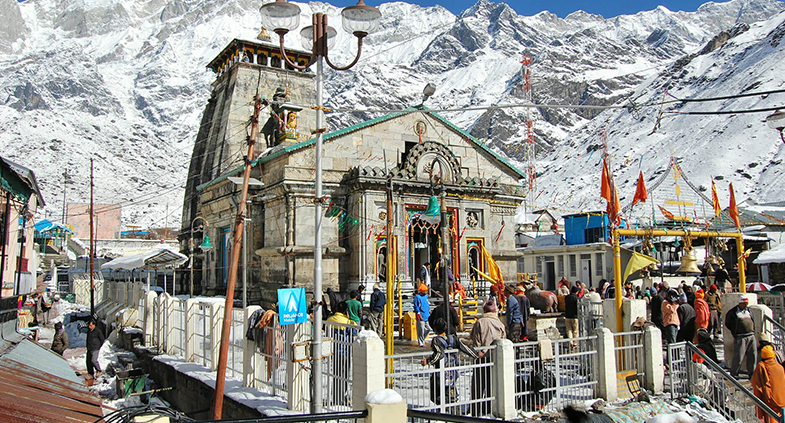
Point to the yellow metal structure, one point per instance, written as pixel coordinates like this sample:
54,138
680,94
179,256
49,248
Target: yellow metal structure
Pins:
661,232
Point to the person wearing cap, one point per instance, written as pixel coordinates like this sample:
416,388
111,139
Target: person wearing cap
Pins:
701,313
715,311
525,305
670,317
422,310
514,316
686,319
486,330
60,340
741,325
768,383
571,315
655,305
378,301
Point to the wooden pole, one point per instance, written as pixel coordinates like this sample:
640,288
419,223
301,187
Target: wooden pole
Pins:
220,378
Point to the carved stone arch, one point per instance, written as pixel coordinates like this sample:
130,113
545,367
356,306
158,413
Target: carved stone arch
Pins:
422,156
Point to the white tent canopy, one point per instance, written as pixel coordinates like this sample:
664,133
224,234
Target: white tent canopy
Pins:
158,258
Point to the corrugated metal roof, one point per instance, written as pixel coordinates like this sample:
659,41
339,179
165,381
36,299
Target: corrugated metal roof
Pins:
40,386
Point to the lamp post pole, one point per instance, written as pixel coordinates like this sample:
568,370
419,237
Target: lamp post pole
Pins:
360,20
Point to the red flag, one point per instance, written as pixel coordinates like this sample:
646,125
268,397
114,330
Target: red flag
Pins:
734,211
605,188
715,200
640,192
668,215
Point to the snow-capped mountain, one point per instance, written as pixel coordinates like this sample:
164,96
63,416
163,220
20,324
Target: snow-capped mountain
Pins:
125,83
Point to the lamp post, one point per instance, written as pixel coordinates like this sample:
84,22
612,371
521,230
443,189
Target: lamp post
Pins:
206,246
359,20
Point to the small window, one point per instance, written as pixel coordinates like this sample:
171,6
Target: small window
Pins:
598,263
560,267
573,267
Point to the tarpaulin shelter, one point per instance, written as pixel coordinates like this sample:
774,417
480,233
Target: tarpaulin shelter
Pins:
157,258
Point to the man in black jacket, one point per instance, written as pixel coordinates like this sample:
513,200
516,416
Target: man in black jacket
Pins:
95,339
378,301
741,325
571,315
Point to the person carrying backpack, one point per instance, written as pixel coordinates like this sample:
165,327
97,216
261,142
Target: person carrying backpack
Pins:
440,345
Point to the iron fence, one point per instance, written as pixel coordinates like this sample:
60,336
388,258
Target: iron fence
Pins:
590,316
630,361
271,359
234,368
337,369
459,385
416,416
551,380
776,332
177,329
203,351
776,302
702,377
346,416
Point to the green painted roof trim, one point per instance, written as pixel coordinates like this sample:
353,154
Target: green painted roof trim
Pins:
357,127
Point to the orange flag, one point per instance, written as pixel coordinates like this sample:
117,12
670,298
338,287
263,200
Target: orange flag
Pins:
734,211
605,188
668,215
715,200
640,192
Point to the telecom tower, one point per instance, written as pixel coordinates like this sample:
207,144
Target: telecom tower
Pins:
531,172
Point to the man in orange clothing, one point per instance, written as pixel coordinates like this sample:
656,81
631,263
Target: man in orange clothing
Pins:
702,314
768,383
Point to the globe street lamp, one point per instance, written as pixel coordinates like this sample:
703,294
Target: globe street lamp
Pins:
359,20
206,246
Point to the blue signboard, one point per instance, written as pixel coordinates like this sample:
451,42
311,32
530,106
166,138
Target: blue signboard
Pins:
291,306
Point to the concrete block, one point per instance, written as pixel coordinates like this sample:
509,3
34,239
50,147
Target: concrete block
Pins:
606,368
505,380
367,367
385,406
655,371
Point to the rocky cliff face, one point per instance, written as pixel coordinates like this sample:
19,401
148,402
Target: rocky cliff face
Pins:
125,83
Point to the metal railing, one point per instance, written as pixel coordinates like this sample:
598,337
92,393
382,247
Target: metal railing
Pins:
590,316
459,385
553,383
203,351
177,329
776,302
234,368
630,358
699,376
417,416
776,331
337,370
270,360
344,416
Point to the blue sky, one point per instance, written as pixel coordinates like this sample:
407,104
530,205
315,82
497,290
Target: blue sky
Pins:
606,8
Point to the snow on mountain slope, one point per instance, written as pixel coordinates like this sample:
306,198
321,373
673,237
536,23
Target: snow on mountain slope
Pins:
125,83
736,147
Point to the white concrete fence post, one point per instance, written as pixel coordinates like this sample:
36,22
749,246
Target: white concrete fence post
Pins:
172,304
652,348
606,365
505,379
249,349
191,307
367,367
385,406
216,323
147,326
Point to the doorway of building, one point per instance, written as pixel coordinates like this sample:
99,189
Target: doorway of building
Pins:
550,275
586,272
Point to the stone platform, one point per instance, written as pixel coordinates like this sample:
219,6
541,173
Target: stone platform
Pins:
543,326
